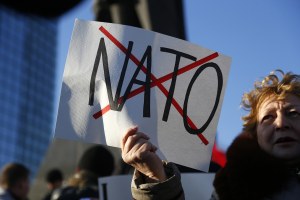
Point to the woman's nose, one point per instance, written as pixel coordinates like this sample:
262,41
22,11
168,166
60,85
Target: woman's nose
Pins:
281,122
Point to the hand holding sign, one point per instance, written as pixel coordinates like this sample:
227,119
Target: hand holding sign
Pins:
117,77
138,152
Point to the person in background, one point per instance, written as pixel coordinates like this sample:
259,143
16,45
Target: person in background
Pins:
14,182
97,161
263,162
54,180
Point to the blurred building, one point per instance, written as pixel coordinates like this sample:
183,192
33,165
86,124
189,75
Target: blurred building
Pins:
28,37
27,83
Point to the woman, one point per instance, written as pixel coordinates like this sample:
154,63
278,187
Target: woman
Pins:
263,162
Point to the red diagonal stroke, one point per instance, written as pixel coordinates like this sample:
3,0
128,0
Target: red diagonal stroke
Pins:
154,80
160,80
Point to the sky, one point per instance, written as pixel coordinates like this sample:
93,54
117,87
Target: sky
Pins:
259,35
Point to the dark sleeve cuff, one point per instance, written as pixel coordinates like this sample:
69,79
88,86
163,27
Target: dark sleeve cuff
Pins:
170,189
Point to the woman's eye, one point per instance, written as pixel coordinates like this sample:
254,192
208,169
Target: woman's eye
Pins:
266,118
293,113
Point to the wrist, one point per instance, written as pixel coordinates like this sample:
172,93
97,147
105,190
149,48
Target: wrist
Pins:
162,176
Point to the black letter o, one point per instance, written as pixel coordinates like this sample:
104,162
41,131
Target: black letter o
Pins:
220,85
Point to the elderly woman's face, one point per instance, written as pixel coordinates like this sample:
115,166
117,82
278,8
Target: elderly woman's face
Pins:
278,127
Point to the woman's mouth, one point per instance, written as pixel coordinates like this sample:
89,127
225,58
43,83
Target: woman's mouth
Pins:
284,140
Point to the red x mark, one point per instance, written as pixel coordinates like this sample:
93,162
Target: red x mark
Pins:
155,81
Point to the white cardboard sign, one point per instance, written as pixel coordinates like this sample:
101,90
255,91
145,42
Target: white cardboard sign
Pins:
195,185
117,77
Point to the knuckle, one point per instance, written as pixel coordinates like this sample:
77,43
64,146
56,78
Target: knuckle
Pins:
126,159
141,156
130,139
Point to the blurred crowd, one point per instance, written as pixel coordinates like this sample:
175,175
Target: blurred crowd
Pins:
97,161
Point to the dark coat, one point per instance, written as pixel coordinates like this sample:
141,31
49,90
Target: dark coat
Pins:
251,173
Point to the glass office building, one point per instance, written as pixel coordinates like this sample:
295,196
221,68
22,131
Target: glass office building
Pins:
27,86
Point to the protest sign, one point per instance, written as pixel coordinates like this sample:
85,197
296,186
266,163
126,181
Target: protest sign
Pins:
117,77
195,185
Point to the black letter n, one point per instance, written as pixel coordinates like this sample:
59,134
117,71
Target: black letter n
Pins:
101,50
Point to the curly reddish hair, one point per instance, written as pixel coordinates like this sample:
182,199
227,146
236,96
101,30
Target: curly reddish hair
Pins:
276,85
